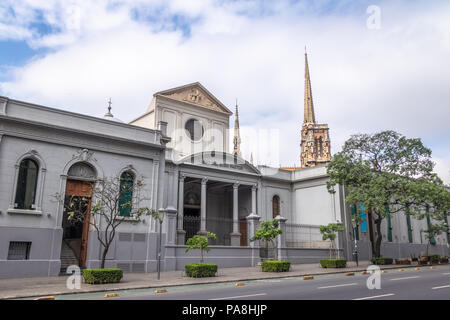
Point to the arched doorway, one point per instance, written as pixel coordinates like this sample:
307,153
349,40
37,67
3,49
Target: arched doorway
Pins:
76,217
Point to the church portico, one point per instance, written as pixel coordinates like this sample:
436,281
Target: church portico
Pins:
209,202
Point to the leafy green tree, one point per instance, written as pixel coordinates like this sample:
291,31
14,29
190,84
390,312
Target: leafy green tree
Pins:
434,229
329,233
389,173
267,232
200,242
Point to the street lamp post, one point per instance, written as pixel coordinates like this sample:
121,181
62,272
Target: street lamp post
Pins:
160,218
355,252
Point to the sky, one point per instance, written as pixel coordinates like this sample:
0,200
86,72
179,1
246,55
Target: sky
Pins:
374,65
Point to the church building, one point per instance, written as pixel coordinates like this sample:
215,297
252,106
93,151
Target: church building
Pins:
190,174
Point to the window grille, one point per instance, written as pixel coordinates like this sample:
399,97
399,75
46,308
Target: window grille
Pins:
19,250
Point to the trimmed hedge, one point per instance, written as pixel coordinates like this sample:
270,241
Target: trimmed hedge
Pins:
333,263
275,266
200,270
382,260
99,276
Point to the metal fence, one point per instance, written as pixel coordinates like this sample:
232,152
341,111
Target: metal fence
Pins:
304,236
222,227
297,235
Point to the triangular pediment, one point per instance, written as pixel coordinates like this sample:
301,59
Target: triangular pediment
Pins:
196,94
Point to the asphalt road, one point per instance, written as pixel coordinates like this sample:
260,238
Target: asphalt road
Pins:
423,284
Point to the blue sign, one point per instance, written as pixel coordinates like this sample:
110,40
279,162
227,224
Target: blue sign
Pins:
363,216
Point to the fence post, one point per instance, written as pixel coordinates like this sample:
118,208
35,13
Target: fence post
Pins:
171,225
281,239
252,225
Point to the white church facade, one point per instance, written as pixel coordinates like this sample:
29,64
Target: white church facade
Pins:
180,146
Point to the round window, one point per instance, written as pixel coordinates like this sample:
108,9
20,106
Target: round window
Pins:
194,129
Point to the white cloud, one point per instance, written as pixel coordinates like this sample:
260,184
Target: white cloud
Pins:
362,80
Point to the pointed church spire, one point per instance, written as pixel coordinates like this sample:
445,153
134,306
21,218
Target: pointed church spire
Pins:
237,136
309,106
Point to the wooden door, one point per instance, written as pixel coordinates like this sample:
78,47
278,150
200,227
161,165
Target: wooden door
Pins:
243,232
82,189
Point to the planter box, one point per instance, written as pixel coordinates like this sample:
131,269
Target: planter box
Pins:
443,260
200,270
402,261
275,266
333,263
101,276
382,261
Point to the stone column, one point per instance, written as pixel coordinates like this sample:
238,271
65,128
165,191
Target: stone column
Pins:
235,235
181,234
252,226
281,239
203,208
254,188
171,225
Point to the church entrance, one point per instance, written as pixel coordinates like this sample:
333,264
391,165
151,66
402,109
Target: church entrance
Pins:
191,221
77,203
76,230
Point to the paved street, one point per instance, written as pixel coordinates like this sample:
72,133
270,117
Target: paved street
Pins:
411,284
45,286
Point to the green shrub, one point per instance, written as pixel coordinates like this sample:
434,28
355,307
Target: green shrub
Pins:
200,270
275,266
382,260
333,263
99,276
434,257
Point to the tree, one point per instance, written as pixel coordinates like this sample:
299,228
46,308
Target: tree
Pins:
329,233
109,199
200,242
268,232
434,229
389,173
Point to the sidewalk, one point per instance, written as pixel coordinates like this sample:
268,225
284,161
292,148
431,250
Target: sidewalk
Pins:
44,286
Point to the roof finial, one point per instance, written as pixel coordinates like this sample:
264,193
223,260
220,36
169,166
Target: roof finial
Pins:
109,114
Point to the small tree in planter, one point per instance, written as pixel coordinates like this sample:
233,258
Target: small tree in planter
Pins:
329,233
433,231
268,232
200,242
199,270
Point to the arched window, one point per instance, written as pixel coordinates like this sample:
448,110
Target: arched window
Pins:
26,185
126,193
275,206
